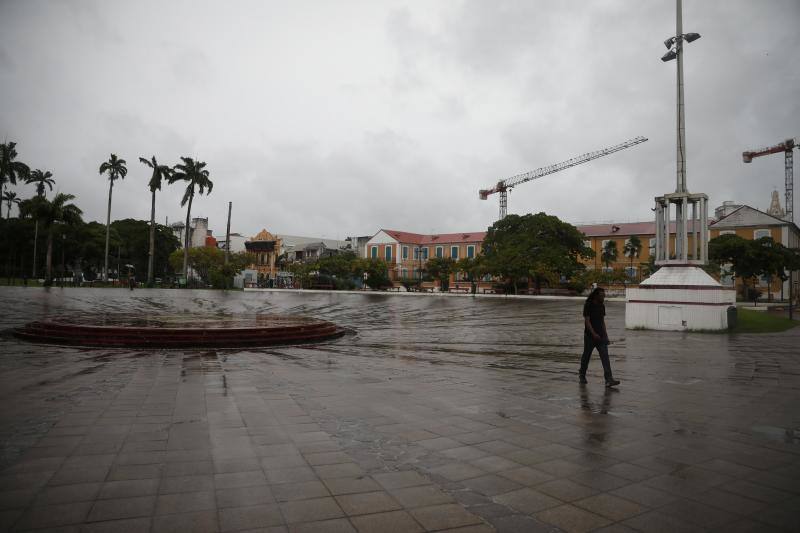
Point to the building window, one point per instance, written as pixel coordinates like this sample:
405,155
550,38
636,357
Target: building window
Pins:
424,251
471,251
416,253
405,252
454,252
652,246
587,244
388,253
439,252
405,273
759,233
374,252
727,232
631,272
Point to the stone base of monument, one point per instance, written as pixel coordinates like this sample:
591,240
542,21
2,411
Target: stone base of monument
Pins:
678,298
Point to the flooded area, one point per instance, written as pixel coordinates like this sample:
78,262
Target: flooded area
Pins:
476,397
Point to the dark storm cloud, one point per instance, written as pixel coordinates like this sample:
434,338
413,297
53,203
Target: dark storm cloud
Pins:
341,118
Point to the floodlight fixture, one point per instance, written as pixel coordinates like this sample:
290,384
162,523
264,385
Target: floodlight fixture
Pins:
691,37
669,42
669,56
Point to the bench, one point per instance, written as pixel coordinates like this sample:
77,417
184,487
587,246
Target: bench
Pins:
460,289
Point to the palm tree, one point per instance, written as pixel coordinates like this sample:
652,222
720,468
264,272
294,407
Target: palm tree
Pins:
42,179
632,248
160,172
194,173
609,254
116,169
10,197
10,170
52,213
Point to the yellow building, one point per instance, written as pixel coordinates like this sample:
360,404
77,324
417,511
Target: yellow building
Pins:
266,247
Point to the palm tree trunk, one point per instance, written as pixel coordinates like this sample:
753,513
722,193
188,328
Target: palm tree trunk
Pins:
49,264
35,242
108,229
187,240
152,240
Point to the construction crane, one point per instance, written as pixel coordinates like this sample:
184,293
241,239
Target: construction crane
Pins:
786,147
503,186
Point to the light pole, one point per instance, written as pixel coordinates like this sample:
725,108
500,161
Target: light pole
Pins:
675,46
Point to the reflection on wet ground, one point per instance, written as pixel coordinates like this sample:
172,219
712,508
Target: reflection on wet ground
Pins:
436,413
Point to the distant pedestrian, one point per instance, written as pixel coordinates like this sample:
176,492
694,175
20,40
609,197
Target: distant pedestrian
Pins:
595,335
132,282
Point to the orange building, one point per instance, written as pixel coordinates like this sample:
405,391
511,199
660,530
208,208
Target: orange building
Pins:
266,247
407,253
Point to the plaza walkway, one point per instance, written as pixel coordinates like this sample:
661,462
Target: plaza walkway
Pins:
438,414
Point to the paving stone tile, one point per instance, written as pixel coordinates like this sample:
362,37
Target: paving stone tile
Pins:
74,476
196,522
449,515
127,525
291,475
630,471
51,516
367,503
171,485
398,480
226,466
244,496
457,471
527,500
327,458
351,485
599,480
566,490
282,461
239,479
189,468
425,495
250,517
14,499
495,463
312,510
303,490
491,485
391,522
338,525
123,472
756,491
729,501
644,495
128,488
657,522
67,494
526,475
338,470
117,508
572,519
611,507
439,443
464,453
185,502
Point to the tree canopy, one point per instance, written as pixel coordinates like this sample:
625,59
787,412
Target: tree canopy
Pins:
532,246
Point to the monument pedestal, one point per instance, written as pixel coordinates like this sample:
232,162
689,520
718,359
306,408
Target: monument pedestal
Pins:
678,298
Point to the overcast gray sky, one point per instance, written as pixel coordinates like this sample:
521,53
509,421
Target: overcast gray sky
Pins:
337,118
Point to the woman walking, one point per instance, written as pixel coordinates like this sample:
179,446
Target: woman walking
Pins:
596,336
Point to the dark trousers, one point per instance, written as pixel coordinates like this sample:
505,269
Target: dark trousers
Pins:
589,344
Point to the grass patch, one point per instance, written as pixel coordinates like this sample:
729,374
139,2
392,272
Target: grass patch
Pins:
761,322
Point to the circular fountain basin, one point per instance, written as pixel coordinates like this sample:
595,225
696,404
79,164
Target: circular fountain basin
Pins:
178,331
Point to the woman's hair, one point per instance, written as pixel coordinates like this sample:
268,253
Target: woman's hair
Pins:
594,293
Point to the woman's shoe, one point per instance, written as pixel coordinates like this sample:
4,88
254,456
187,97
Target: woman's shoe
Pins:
612,382
582,379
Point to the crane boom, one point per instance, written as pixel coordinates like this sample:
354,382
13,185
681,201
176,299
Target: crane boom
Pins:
503,186
786,147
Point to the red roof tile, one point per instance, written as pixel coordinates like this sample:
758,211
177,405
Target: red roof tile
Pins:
447,238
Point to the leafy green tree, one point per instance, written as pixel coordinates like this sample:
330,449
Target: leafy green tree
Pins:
197,178
160,173
531,245
736,252
440,268
10,169
42,179
632,248
374,272
53,213
609,253
10,198
116,169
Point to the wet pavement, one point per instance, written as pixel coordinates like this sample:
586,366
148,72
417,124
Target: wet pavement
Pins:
434,414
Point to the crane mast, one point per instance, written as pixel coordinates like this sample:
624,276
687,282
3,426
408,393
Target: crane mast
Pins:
787,148
503,186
